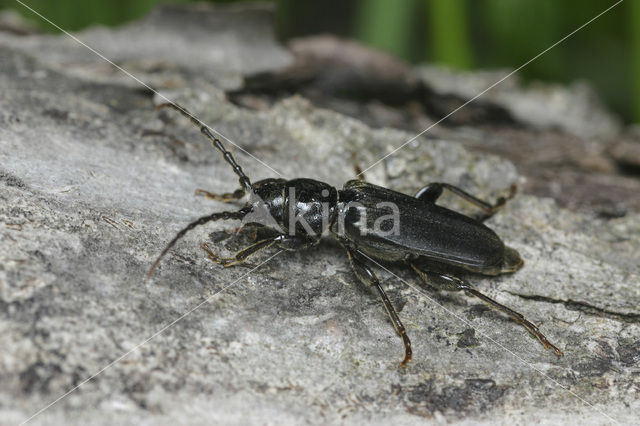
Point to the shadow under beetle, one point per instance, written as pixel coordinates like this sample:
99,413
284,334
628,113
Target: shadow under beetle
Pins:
436,242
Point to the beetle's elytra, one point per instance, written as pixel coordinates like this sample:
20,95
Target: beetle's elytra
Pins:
436,242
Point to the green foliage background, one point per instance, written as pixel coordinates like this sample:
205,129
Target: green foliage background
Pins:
465,34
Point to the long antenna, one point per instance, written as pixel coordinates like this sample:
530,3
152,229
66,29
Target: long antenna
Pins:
245,183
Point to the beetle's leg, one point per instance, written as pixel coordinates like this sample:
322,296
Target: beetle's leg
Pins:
451,283
367,277
356,167
285,242
227,197
241,256
201,221
252,227
431,192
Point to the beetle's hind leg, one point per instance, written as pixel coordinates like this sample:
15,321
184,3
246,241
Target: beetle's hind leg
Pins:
227,197
368,277
430,193
451,283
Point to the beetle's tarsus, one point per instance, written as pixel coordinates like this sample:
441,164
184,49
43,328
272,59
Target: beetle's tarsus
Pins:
227,197
550,345
242,255
356,167
200,221
541,337
224,261
408,354
368,277
451,283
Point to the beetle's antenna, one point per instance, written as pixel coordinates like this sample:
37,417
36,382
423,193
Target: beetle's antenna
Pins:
244,179
201,221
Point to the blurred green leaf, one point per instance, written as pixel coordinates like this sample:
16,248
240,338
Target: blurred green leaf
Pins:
458,33
386,25
519,30
634,50
448,33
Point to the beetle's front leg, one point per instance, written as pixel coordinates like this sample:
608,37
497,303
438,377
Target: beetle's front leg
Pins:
241,256
285,242
201,221
451,283
227,197
367,277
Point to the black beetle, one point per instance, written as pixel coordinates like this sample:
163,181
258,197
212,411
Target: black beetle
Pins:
435,241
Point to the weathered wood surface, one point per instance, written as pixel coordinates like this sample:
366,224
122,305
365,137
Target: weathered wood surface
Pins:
94,182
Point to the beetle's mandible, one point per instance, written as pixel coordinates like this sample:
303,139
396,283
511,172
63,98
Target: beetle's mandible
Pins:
436,242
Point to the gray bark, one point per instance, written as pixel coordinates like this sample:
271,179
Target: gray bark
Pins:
94,182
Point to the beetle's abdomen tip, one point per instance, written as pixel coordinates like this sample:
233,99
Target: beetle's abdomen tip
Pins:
512,260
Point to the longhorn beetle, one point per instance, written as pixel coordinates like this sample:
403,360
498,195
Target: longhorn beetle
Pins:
436,242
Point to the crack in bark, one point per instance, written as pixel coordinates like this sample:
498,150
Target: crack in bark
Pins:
574,305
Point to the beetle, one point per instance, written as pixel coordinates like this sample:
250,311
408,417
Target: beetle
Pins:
436,242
